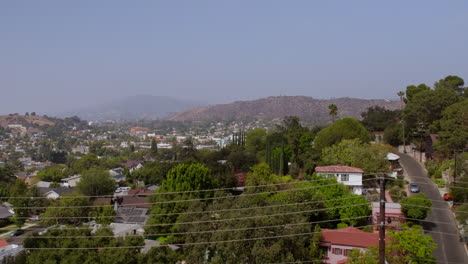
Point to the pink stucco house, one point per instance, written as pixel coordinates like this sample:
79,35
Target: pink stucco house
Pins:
337,244
393,215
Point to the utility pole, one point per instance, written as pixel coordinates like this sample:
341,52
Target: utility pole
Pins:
455,171
382,220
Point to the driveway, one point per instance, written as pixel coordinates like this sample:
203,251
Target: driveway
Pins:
440,219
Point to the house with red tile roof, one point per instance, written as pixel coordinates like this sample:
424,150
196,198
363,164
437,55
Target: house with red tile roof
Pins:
338,244
349,176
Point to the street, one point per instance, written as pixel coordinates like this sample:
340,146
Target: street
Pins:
440,219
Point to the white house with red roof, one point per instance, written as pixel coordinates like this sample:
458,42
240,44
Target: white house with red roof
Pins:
338,244
350,176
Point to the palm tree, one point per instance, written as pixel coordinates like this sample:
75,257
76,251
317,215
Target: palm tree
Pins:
333,111
401,94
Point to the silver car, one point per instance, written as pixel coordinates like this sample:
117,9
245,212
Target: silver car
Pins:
414,188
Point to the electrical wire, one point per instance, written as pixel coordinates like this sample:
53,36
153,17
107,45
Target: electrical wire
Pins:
175,192
186,200
208,231
189,243
239,218
213,211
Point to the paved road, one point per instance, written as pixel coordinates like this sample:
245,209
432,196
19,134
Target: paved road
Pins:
18,240
450,250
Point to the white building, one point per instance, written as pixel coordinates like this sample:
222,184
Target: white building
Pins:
71,181
349,176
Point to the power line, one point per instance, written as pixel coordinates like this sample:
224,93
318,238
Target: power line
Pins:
175,192
189,243
185,200
417,198
425,183
237,218
215,211
209,231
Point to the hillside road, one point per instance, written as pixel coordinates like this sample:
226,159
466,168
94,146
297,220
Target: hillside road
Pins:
440,219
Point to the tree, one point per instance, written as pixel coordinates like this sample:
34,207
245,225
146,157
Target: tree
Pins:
451,82
416,206
96,182
377,118
315,251
154,148
52,173
454,128
67,210
86,162
345,128
151,173
255,140
183,178
128,253
333,111
33,113
426,106
412,90
409,245
393,134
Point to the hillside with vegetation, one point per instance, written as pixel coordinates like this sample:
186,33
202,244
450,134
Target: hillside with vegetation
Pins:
306,108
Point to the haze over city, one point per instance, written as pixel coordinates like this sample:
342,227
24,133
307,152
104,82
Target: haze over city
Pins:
63,55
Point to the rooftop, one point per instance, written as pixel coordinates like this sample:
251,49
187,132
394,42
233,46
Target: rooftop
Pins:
338,168
350,236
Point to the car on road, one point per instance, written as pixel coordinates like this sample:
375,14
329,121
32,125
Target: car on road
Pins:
414,188
448,197
17,232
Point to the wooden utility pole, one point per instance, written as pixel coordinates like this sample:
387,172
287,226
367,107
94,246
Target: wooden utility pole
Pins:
382,220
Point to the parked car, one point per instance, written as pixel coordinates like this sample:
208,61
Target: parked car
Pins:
414,188
448,197
17,232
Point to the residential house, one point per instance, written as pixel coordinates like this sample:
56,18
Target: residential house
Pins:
43,184
8,250
395,164
71,181
54,193
393,215
133,165
118,175
337,244
123,229
349,176
378,136
6,211
138,131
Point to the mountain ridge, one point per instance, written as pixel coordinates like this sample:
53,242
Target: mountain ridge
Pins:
307,108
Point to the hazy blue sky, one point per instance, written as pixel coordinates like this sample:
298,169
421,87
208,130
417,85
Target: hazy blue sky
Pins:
58,55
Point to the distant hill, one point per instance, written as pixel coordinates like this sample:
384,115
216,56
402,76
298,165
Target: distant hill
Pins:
134,108
26,121
307,108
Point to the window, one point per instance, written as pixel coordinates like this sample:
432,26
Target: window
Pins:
336,251
344,177
347,252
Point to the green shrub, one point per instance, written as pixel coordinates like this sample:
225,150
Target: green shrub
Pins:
440,183
397,193
342,225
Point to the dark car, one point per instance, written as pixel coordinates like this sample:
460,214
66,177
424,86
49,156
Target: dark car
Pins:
17,232
414,188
